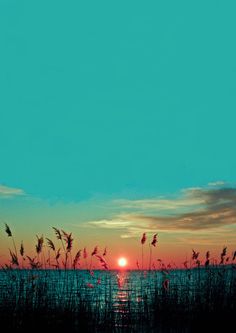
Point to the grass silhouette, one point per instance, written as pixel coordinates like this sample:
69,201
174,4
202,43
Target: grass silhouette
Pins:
53,292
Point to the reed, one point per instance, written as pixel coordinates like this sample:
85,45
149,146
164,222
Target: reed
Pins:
64,297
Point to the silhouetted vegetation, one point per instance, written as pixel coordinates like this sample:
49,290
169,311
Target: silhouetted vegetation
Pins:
53,293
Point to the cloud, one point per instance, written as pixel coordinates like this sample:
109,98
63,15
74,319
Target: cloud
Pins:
193,210
217,183
7,192
160,204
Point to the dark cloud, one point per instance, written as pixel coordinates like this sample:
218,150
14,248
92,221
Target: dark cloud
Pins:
217,209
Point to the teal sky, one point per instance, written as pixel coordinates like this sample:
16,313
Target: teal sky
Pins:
108,110
116,98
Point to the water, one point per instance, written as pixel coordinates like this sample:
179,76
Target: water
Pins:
124,298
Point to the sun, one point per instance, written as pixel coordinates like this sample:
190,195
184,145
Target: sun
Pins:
122,262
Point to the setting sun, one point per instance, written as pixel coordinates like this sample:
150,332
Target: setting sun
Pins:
122,262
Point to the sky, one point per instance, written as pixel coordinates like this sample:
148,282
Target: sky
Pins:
118,118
